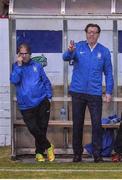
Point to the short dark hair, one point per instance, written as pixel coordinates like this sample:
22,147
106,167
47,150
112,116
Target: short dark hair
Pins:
93,25
26,46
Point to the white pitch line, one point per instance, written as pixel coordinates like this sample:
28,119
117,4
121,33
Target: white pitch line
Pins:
60,170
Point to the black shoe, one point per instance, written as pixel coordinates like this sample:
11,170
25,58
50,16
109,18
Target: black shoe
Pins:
77,158
98,159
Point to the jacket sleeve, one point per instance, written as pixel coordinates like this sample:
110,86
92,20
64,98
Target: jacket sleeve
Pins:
67,56
47,84
16,74
108,73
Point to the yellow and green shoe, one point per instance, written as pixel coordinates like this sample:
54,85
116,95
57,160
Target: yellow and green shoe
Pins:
40,157
50,153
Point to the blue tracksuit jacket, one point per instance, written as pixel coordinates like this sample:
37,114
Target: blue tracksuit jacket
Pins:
32,84
89,67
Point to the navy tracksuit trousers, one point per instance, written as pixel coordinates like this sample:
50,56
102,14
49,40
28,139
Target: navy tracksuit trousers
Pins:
37,119
94,103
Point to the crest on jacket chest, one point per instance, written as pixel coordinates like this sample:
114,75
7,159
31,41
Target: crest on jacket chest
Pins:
34,68
99,55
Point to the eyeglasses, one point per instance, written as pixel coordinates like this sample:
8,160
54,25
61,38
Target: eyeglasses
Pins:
92,32
23,54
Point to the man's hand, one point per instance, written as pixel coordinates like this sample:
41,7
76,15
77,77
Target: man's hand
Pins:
19,60
71,46
108,98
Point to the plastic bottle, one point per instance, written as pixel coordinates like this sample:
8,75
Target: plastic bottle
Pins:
71,62
62,114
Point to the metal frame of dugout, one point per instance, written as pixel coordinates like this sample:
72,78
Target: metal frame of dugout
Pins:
62,11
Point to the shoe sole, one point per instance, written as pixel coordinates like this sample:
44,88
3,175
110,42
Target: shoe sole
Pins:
51,160
39,160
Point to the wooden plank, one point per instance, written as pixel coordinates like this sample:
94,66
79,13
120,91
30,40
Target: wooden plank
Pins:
66,98
22,151
111,125
55,99
67,124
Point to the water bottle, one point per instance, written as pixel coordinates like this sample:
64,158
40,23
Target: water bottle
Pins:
62,114
71,62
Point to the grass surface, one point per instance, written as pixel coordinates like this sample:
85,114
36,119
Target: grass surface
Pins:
55,170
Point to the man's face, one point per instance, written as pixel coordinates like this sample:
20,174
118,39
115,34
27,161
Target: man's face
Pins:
92,35
24,54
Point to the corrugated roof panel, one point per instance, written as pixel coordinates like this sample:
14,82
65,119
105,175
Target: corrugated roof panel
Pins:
119,6
44,7
77,7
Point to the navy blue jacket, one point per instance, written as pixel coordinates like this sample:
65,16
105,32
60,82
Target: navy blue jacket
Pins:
32,84
89,67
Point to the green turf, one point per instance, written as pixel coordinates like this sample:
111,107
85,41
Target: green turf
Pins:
55,170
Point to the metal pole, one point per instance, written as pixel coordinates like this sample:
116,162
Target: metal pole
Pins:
65,68
113,6
115,61
65,76
12,52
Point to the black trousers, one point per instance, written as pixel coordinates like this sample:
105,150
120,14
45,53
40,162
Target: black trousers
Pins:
118,141
94,103
37,119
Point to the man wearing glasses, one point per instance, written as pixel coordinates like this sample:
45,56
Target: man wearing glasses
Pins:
91,59
34,92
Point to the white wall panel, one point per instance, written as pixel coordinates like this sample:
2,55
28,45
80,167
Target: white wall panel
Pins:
5,130
81,24
5,122
5,140
5,113
39,24
4,84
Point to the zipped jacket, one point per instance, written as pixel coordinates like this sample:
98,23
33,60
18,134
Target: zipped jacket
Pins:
32,84
89,67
